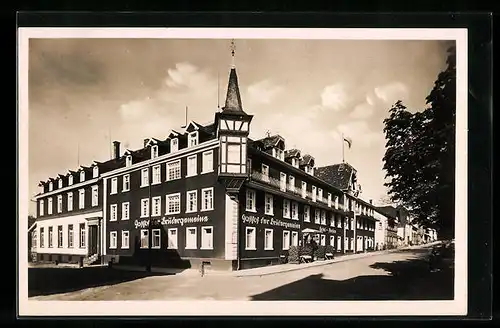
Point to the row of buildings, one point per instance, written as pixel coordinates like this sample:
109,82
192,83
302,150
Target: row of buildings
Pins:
206,194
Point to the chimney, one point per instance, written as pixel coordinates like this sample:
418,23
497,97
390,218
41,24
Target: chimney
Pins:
371,201
145,142
116,149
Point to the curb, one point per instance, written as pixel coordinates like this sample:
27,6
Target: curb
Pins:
240,274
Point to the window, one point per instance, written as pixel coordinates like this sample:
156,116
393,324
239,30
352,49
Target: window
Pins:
82,176
154,151
265,172
207,238
114,186
279,154
286,240
125,240
174,145
358,224
307,213
339,243
51,237
295,238
59,183
125,182
193,139
295,211
286,208
95,171
112,212
207,195
332,241
83,238
250,204
337,202
191,201
128,160
156,174
156,241
233,153
317,218
59,203
81,198
329,200
339,222
95,196
70,201
174,170
42,238
125,211
112,239
269,208
172,238
268,239
173,205
191,166
60,236
323,217
70,180
304,189
145,177
144,238
191,238
291,182
295,162
49,206
41,207
323,240
320,194
208,161
70,236
313,193
51,186
156,206
282,181
144,207
250,238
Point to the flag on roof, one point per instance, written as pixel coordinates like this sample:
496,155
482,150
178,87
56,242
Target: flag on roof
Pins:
348,140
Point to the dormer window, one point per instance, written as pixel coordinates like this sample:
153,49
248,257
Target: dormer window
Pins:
82,176
309,169
51,186
174,145
193,139
128,160
70,180
154,151
59,183
95,172
295,162
279,154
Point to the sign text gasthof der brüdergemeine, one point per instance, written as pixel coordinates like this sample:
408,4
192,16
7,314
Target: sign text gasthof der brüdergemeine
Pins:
252,219
172,221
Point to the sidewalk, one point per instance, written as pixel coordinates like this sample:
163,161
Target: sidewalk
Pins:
281,268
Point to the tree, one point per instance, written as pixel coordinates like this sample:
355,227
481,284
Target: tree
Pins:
31,220
420,155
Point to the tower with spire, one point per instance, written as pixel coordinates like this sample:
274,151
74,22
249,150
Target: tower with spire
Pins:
233,127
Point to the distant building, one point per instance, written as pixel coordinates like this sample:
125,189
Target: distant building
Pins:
386,234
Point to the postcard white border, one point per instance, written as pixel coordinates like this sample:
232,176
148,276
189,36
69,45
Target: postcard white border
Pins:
198,308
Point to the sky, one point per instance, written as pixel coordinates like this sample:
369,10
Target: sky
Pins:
85,93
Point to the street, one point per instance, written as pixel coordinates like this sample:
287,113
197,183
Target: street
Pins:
400,275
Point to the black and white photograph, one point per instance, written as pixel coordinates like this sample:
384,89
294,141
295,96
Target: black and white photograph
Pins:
199,167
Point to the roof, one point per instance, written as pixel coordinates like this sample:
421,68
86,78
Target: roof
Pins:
233,98
338,175
292,153
270,142
307,160
393,212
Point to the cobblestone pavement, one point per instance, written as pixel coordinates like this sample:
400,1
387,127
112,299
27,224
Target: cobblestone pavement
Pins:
397,275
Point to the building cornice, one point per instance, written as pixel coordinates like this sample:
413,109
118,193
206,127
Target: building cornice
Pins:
67,188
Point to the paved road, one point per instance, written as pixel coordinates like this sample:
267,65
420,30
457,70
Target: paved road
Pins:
401,275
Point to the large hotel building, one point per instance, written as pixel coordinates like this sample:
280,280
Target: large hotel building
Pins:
206,194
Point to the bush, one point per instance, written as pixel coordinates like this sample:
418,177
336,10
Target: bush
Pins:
319,253
306,250
293,254
330,249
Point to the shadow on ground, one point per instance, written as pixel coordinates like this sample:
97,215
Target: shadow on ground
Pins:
402,280
47,281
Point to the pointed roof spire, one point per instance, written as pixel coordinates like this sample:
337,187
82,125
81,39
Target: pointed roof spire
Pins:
233,98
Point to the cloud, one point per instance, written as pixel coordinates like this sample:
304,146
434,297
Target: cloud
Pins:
391,92
363,110
334,97
263,92
360,133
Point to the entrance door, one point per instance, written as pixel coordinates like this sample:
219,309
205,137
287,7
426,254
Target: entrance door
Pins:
93,239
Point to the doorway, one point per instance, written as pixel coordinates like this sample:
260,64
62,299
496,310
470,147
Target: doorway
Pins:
93,239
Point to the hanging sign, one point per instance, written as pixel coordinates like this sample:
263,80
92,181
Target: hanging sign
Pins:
172,221
252,219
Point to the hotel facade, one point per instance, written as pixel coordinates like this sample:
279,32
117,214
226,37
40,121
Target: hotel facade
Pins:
207,194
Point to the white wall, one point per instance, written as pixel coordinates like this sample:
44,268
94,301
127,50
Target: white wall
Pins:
64,221
231,229
380,229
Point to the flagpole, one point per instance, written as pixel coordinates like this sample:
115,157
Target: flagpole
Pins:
342,147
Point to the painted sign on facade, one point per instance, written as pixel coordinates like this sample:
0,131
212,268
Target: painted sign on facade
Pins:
141,224
252,219
327,230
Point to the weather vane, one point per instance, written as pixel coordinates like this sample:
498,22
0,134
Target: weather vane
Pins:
233,48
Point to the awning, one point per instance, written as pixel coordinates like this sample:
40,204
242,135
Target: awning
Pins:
309,230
